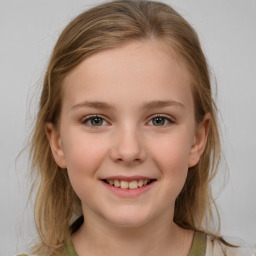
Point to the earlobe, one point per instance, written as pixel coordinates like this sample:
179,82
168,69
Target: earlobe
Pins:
55,144
200,140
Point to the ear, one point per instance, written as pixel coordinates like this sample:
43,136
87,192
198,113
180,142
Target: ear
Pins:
200,139
55,144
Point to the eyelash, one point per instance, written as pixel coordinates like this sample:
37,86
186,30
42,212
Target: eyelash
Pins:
91,117
168,119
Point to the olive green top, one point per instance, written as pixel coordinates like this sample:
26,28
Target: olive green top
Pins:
198,247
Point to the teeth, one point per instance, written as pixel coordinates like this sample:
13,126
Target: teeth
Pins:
126,184
133,184
140,183
116,183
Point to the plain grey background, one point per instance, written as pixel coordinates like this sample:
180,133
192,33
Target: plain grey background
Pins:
28,31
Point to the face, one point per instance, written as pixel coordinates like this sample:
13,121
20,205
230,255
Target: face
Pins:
127,132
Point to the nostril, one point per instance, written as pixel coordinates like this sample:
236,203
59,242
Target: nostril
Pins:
128,160
127,150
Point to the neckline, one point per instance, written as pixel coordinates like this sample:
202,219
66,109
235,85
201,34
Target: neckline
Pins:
198,247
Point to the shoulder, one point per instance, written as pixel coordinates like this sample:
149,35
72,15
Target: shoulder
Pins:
217,248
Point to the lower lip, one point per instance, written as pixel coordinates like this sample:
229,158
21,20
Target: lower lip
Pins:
126,192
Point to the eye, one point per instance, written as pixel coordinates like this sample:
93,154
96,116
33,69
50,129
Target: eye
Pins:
160,121
94,121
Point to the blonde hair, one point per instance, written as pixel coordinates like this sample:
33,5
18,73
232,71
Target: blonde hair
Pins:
103,27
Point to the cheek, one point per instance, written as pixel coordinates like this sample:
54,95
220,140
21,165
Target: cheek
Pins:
172,150
82,150
83,157
171,154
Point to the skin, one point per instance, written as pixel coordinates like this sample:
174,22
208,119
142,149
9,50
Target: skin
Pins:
130,79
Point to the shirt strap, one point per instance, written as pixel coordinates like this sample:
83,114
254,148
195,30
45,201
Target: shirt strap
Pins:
70,251
198,247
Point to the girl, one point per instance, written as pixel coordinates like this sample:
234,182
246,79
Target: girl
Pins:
126,140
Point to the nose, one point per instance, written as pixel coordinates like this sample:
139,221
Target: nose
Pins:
128,147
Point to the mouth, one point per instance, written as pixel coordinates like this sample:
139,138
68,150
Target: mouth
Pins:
128,184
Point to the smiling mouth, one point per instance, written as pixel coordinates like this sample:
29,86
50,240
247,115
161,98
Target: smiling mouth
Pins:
133,184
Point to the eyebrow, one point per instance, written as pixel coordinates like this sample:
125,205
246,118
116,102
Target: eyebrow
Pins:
161,104
145,106
93,104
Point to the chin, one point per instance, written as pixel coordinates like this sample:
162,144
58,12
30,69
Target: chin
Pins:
129,219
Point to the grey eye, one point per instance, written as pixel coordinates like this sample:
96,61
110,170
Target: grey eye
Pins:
159,121
96,121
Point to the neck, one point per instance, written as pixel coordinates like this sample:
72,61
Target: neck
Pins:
159,237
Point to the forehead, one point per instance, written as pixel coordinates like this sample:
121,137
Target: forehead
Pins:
151,69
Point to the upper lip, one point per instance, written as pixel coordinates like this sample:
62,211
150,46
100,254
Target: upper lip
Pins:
130,178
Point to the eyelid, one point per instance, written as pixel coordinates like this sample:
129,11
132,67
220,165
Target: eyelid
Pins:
85,119
167,117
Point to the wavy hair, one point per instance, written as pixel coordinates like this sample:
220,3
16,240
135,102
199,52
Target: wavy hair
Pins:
103,27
